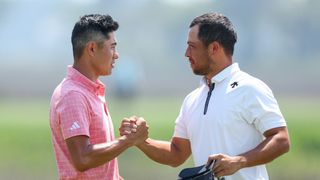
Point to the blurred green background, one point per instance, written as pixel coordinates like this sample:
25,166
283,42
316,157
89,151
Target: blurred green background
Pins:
26,150
278,42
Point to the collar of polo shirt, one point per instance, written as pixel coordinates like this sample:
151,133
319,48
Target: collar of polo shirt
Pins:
228,71
96,88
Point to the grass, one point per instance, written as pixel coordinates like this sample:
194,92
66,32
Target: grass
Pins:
26,149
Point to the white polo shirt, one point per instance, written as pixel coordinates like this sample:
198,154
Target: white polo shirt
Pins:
240,110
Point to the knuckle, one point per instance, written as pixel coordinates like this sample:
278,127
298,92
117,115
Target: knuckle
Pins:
141,118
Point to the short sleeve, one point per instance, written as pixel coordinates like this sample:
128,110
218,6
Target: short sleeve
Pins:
262,108
180,129
73,111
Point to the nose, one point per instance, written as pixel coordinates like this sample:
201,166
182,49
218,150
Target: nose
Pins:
116,55
187,53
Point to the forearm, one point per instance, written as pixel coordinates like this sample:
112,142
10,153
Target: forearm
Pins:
98,154
162,152
271,148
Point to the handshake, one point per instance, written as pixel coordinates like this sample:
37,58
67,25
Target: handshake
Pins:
134,130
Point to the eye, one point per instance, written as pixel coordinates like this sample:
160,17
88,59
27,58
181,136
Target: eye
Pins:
191,46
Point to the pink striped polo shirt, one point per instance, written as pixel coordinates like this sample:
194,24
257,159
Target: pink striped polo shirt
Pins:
78,107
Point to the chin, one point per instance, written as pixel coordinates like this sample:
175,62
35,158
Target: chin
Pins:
197,72
105,73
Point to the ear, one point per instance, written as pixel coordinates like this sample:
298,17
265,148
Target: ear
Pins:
213,48
91,48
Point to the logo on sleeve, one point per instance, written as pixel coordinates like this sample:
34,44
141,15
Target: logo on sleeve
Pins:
74,126
234,84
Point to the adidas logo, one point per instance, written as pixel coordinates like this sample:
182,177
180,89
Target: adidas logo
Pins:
74,126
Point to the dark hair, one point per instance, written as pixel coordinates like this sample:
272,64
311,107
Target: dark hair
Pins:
92,27
216,27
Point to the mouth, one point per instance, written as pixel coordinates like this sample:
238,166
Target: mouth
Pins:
191,61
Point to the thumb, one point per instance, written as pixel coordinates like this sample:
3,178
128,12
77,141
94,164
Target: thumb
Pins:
211,161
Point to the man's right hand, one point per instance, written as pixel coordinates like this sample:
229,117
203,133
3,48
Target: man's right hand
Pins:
134,129
128,126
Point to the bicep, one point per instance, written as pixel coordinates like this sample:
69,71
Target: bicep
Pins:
182,147
279,137
77,147
277,140
279,131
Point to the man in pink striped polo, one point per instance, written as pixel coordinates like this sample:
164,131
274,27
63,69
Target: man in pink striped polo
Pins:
82,131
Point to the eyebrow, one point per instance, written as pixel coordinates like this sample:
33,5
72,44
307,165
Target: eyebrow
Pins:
191,43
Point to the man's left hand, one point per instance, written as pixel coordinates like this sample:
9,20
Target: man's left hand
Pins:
225,165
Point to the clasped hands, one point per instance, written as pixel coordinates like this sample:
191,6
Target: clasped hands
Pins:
134,129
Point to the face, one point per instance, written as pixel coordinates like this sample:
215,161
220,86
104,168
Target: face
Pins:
197,53
105,56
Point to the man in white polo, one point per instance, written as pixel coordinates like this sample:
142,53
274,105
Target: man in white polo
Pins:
232,119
